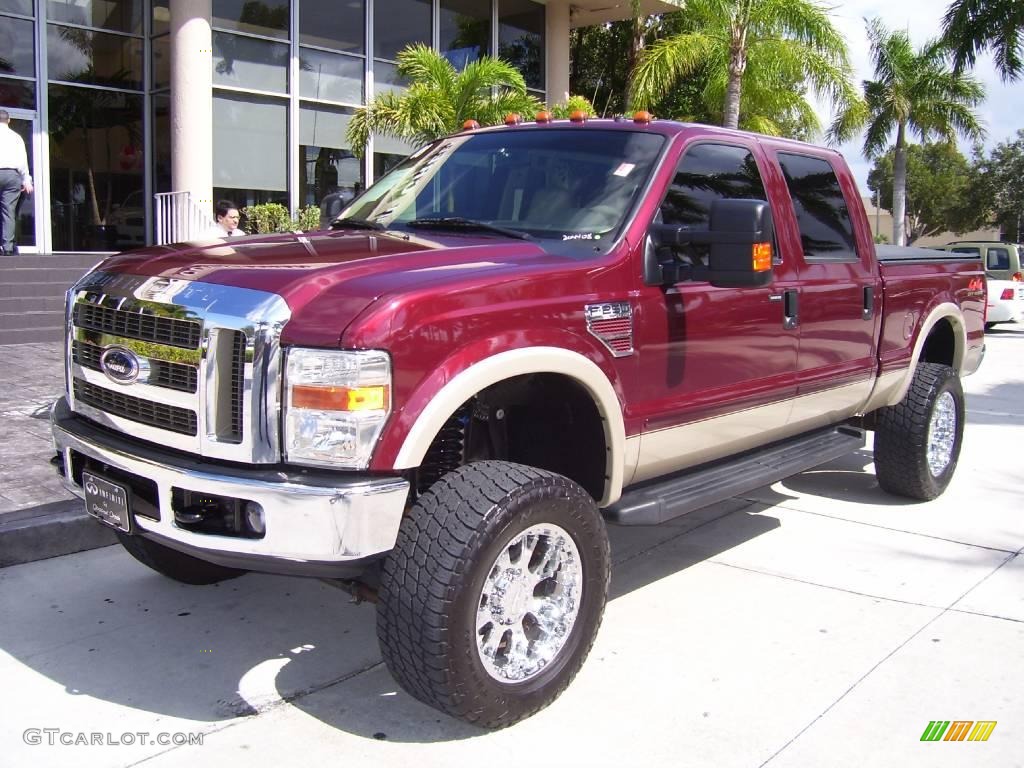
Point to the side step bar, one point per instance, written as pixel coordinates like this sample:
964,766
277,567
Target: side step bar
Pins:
665,498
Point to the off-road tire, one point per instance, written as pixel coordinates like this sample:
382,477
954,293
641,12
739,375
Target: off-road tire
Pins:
902,434
174,564
433,579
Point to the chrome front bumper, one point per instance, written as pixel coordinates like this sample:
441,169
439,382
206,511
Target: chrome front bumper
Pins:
318,523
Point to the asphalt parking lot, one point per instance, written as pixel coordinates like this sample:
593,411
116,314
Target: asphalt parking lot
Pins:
817,622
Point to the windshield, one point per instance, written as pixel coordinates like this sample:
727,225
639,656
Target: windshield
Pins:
568,185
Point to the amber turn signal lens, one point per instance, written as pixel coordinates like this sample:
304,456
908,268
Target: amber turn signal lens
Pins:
543,117
578,116
513,119
340,398
762,257
470,125
642,117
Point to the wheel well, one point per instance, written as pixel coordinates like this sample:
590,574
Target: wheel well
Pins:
940,346
543,420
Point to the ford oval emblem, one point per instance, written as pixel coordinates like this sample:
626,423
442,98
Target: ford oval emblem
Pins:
120,364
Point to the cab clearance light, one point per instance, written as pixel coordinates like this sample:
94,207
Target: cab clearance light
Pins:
543,117
578,116
762,253
642,117
341,398
470,125
513,119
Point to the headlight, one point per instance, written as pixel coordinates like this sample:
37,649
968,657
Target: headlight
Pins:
336,405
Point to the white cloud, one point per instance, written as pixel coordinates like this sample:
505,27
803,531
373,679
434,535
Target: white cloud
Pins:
1001,111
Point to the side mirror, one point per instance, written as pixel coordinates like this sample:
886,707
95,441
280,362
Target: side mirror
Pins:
739,237
741,243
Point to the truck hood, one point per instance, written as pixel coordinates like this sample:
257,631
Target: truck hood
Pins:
329,278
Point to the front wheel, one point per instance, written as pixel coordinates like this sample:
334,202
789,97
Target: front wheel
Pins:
493,595
917,441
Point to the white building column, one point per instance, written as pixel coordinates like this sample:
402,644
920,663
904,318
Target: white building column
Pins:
192,101
556,33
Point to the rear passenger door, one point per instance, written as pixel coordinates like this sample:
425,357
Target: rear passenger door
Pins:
838,293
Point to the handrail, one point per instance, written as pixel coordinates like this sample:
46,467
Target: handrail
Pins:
179,218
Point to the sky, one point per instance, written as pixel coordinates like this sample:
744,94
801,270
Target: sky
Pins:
1002,112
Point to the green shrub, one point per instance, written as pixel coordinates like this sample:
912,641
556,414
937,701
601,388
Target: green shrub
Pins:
562,111
307,219
265,218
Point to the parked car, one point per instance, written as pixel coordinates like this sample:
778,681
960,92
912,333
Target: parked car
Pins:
1005,302
516,334
129,221
1002,260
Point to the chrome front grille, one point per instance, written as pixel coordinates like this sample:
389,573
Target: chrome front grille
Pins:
160,415
178,362
135,325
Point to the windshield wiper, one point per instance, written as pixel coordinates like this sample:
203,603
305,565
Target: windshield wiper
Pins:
458,222
356,224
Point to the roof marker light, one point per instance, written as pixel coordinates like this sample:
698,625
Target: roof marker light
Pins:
642,117
513,119
544,117
578,116
470,125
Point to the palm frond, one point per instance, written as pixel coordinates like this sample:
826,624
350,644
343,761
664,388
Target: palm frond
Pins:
667,60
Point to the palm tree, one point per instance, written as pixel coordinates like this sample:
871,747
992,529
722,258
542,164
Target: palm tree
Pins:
440,99
973,26
914,91
725,36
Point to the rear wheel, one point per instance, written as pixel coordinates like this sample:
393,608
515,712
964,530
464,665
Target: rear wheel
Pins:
174,564
917,442
494,592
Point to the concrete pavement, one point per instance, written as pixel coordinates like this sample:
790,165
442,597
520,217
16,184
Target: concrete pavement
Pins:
817,622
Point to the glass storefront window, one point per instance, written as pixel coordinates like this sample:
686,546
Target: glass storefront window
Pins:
250,137
260,17
17,93
386,78
79,56
331,176
398,23
119,15
96,168
161,17
337,25
330,76
521,38
161,50
24,7
17,54
161,150
246,62
465,30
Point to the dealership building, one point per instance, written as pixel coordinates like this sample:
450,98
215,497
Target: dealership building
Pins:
127,103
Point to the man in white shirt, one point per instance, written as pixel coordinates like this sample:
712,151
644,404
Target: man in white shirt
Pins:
14,179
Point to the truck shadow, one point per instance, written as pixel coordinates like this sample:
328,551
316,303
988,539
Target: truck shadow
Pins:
139,649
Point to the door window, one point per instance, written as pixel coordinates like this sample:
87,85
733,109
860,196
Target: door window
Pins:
706,173
826,231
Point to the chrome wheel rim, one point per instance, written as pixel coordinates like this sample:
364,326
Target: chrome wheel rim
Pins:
941,434
529,603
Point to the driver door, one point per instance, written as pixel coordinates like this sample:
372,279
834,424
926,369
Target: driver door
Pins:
717,366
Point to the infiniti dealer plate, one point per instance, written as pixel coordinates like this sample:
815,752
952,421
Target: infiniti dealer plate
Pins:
107,502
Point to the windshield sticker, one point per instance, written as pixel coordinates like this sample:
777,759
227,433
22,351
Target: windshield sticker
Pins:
581,236
624,170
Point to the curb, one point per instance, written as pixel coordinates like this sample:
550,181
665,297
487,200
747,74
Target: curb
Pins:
49,530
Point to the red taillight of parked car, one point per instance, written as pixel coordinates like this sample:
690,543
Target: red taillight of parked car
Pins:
1017,277
1006,295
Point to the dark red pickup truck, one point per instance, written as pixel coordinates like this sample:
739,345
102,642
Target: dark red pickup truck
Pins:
518,333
